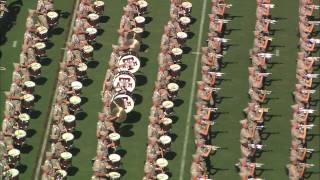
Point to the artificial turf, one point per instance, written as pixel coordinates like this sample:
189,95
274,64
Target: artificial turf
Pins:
134,129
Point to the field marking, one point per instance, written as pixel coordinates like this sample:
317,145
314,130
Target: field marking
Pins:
14,44
48,127
194,78
2,68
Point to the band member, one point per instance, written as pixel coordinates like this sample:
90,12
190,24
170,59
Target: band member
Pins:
100,165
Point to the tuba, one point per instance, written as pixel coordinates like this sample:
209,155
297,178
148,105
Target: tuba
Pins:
118,110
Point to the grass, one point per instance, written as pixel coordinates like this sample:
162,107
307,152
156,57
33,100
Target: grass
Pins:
134,129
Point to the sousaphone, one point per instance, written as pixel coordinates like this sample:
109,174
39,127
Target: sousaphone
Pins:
118,110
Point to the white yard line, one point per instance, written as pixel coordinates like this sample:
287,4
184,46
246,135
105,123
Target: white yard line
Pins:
48,127
191,102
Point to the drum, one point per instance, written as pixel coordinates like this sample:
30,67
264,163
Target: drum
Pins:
91,34
74,103
162,162
115,138
137,33
93,19
166,124
28,101
65,160
162,176
165,142
23,121
142,6
67,140
13,157
173,89
114,175
176,54
13,174
124,81
69,122
129,63
168,107
40,49
76,86
19,137
99,7
128,101
175,71
29,86
52,18
187,7
60,175
140,21
81,70
115,159
184,22
35,69
182,37
87,52
42,33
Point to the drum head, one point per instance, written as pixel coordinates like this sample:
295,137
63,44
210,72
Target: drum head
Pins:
177,51
42,30
76,85
62,172
162,176
14,152
13,172
29,84
114,175
173,87
128,101
52,14
185,20
20,133
69,118
28,97
93,16
75,100
66,155
35,66
91,30
24,117
137,30
140,19
187,4
40,45
175,67
114,157
162,162
88,49
129,63
67,136
167,121
167,104
82,67
114,136
165,139
124,81
142,3
98,3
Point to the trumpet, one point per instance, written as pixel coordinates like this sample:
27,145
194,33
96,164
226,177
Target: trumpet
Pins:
308,150
264,74
312,58
313,40
306,165
219,55
308,126
312,75
308,91
215,148
271,21
225,5
307,110
218,74
313,6
223,20
264,91
266,55
212,89
256,146
269,5
260,127
224,40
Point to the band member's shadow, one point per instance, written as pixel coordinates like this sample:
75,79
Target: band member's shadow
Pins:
31,132
148,19
214,134
267,100
143,47
193,20
63,14
315,85
26,149
49,45
183,67
100,32
125,130
81,116
34,114
45,61
97,46
40,80
190,35
231,17
77,134
86,82
314,102
104,19
310,137
145,34
228,31
174,119
310,174
178,102
260,171
173,137
137,99
84,100
218,114
272,64
74,151
72,171
269,117
143,61
121,152
133,117
170,155
186,50
141,80
123,172
93,64
22,168
225,64
312,118
272,32
214,171
268,82
181,84
273,47
265,135
57,31
219,99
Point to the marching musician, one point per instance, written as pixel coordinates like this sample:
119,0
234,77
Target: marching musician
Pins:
153,149
30,23
257,95
214,44
207,77
85,7
100,165
245,169
302,78
298,133
56,149
301,95
173,24
304,63
154,129
293,169
125,26
297,152
299,116
205,93
149,168
210,59
198,167
255,78
101,125
47,167
132,9
3,146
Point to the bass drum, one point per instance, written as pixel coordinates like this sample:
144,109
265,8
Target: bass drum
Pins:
124,81
129,63
127,101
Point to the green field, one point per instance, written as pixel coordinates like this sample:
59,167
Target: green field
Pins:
233,92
